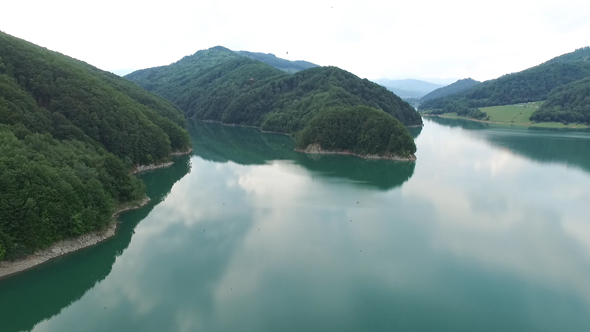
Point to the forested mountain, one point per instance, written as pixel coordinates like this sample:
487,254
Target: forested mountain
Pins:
458,86
164,80
568,103
69,135
287,103
532,84
282,64
218,85
408,88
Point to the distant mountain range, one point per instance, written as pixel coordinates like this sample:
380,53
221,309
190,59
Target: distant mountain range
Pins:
282,64
123,71
408,88
287,66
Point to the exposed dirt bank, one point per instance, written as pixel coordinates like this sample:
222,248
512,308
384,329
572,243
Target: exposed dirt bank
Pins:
66,246
317,149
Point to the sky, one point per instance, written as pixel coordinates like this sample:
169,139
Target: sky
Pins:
422,39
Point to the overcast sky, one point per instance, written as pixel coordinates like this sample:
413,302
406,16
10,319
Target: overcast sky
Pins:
372,39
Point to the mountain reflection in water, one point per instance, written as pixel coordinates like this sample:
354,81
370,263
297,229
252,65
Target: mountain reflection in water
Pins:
473,236
58,283
250,146
546,145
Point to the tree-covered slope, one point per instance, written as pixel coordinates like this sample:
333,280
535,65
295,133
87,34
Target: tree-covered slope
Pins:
581,54
166,80
218,86
360,130
458,86
126,120
282,64
569,103
532,84
287,103
69,134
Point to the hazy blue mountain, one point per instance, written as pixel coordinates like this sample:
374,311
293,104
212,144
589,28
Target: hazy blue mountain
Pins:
408,88
123,71
282,64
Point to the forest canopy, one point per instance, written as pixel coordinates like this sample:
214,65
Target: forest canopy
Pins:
69,136
568,104
359,129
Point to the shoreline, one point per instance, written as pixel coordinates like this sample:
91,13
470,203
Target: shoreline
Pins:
64,247
475,120
181,153
245,126
316,149
520,124
229,124
273,132
144,168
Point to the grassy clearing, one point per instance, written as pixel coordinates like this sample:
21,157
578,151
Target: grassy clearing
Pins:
512,114
515,115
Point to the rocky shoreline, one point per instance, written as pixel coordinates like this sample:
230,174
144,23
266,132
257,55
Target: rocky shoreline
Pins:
317,149
86,240
181,153
143,168
520,124
66,246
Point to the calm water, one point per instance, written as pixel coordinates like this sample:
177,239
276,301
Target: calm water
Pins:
488,231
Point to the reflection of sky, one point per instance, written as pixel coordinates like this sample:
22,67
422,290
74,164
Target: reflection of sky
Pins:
477,238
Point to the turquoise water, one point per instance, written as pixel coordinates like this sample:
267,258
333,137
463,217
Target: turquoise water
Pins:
487,231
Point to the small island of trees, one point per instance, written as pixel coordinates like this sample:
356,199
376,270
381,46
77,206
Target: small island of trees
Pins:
358,130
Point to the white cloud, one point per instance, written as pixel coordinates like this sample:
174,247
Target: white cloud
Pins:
372,39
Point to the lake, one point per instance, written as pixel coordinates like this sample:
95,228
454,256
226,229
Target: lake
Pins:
489,230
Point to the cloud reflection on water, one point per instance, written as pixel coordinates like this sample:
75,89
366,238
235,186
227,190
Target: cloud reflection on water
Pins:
279,246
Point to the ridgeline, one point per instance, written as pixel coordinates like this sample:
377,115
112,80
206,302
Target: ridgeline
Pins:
219,85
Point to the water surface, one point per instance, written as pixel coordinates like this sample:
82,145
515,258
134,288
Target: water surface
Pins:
487,231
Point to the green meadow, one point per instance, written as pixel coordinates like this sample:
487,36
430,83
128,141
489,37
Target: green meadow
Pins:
511,114
517,115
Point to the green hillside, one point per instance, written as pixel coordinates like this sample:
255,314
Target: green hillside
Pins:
69,135
533,84
218,85
567,104
450,89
